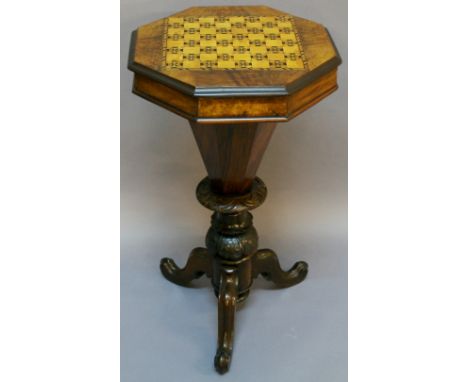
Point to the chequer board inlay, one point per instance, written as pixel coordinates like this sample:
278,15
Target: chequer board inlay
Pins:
232,43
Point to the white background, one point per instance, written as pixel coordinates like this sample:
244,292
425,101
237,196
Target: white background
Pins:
59,158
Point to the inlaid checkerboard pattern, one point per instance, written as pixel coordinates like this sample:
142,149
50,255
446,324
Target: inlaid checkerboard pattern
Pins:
232,43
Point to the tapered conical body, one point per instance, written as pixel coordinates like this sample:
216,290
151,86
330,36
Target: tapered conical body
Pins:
232,153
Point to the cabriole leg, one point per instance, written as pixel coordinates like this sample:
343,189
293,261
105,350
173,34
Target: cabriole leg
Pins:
265,262
227,300
198,264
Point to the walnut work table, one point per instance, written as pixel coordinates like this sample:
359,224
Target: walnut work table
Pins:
233,72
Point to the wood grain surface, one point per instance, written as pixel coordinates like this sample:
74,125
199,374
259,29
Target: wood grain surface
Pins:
147,58
235,109
232,95
232,153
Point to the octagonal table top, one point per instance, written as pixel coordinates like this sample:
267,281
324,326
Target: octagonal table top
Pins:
188,62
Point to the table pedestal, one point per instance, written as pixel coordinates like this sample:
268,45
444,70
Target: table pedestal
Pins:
233,72
231,259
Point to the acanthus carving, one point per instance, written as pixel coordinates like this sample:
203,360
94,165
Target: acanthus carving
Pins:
229,204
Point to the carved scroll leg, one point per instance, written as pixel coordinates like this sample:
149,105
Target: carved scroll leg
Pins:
265,262
198,263
227,300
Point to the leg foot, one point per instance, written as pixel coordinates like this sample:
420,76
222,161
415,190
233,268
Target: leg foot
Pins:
198,263
227,300
265,262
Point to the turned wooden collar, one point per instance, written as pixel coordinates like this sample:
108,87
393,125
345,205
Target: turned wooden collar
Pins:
233,64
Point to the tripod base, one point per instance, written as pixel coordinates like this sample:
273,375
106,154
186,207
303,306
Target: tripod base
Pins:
231,260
